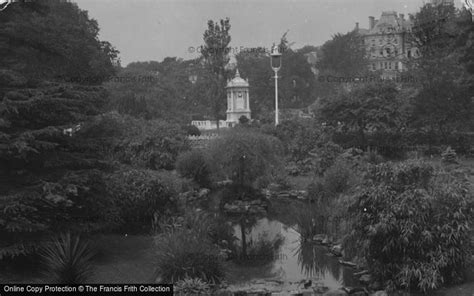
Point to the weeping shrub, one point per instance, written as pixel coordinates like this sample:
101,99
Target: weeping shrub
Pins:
68,259
247,157
412,224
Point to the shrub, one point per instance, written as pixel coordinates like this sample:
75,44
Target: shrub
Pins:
68,259
196,165
326,154
143,195
243,120
412,225
187,252
373,157
151,144
192,130
192,286
338,178
299,137
76,202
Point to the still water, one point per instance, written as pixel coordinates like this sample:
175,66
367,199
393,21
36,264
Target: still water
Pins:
292,260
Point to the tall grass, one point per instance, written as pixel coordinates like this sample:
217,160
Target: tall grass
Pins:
309,223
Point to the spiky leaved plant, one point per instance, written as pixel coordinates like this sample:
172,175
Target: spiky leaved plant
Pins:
67,259
192,286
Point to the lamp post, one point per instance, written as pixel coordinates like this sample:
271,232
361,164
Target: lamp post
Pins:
275,62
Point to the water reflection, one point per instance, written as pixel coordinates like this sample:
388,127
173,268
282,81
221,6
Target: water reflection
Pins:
292,260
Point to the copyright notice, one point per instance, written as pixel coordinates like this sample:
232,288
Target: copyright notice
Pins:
88,289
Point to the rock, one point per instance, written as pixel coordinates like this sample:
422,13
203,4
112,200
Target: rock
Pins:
337,250
326,241
293,193
380,293
319,238
231,208
354,290
335,293
320,289
283,194
361,272
365,279
204,193
347,263
306,292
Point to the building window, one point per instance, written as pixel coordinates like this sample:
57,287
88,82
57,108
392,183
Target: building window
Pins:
385,65
396,65
390,65
374,67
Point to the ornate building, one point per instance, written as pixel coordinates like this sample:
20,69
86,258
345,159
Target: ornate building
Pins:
387,42
238,105
237,99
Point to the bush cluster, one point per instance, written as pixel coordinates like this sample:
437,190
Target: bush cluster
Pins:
412,224
141,196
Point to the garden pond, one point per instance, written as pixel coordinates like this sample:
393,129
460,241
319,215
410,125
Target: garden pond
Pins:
275,253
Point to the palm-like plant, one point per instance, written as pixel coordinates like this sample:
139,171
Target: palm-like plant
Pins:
68,259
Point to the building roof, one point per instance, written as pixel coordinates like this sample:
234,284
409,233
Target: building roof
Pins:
237,81
388,21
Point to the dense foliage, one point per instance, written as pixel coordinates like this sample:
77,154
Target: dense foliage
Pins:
176,260
54,40
50,175
247,157
413,225
196,165
142,196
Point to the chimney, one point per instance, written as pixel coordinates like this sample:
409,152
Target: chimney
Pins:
371,22
357,26
402,16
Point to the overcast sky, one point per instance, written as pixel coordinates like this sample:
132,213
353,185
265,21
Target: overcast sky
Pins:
145,30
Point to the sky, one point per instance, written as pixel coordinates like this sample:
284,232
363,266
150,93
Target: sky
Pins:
150,30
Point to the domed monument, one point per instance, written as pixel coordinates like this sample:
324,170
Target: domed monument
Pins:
237,99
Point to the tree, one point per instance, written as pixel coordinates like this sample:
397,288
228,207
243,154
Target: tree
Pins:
369,107
215,53
343,55
49,169
444,102
54,39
